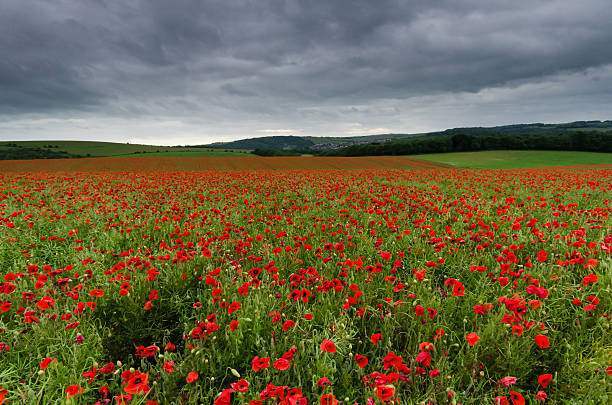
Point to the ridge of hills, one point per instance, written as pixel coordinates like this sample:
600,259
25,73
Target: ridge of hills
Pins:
51,149
326,143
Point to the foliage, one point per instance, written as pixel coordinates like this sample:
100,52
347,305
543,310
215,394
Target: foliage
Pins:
274,152
267,142
12,151
594,142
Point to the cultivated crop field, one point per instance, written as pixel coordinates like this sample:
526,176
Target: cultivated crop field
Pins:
515,159
327,287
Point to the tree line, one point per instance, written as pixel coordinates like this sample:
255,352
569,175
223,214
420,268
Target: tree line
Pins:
578,141
17,152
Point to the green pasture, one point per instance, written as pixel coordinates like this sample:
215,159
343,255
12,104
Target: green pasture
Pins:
105,149
516,159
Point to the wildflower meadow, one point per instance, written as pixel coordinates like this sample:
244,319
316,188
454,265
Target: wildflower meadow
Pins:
377,286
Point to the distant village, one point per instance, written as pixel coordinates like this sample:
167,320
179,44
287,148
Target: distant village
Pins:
340,145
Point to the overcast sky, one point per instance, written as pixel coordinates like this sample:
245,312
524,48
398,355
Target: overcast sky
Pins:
189,72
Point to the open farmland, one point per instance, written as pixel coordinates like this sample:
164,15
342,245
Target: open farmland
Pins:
513,159
127,285
107,149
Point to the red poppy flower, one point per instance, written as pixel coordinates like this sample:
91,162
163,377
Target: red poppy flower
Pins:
499,400
104,391
426,346
328,399
385,392
137,383
375,338
439,333
424,358
328,346
168,367
591,278
225,398
192,376
288,325
45,363
73,390
362,361
391,360
109,368
148,351
96,293
260,364
90,375
234,325
290,354
281,364
241,385
458,290
516,398
385,255
542,341
508,381
322,381
545,379
472,338
517,330
542,256
46,303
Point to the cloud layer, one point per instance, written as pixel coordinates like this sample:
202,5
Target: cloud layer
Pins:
202,71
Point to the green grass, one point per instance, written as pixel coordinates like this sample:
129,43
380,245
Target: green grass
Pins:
105,149
516,159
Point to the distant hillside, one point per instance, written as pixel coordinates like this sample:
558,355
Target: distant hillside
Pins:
530,129
10,150
17,150
317,144
266,142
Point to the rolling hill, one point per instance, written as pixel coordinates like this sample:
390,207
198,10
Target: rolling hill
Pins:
330,143
11,150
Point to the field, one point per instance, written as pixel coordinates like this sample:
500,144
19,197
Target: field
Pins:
513,159
214,163
192,153
107,149
141,281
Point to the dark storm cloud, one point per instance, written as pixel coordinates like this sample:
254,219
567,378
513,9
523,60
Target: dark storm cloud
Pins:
257,60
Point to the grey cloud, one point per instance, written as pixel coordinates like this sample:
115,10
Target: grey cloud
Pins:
231,89
263,61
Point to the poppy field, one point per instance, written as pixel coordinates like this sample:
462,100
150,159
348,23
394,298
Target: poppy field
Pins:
377,286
